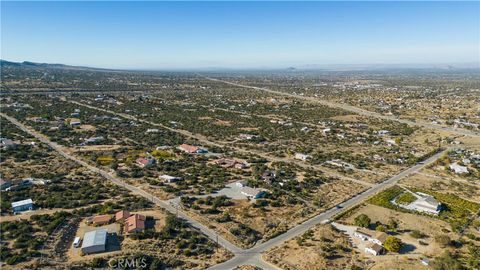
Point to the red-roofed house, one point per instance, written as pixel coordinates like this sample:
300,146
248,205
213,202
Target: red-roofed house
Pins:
101,220
188,148
192,149
146,162
122,215
135,223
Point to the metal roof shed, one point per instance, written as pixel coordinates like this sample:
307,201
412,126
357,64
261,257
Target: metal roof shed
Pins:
94,241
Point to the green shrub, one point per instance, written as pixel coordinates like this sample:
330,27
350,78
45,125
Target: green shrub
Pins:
406,198
362,221
393,244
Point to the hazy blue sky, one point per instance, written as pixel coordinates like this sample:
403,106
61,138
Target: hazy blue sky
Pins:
239,34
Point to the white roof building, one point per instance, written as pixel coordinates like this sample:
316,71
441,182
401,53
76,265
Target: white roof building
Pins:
424,203
22,203
170,179
301,156
458,169
374,249
383,132
427,204
253,193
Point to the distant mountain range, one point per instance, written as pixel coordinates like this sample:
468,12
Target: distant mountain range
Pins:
27,64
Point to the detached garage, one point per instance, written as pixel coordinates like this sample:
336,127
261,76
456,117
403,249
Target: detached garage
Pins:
94,241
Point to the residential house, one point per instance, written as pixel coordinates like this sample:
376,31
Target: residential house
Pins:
21,206
374,249
152,130
121,215
383,132
191,149
101,220
94,139
340,163
391,142
135,223
6,143
253,193
247,136
170,179
240,165
269,176
230,162
458,169
73,122
301,156
146,162
371,236
38,119
226,162
425,203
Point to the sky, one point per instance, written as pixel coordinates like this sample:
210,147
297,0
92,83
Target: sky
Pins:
177,35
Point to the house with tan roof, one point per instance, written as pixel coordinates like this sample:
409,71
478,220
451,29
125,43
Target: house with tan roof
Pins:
374,249
101,220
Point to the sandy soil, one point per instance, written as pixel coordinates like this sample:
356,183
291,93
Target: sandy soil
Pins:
85,128
88,148
348,118
325,248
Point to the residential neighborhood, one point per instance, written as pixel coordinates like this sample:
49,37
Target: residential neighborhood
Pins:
244,135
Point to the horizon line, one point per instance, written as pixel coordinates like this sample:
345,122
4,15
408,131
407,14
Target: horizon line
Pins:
303,67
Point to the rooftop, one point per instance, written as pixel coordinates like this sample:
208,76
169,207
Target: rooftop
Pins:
94,238
21,203
374,246
101,218
135,222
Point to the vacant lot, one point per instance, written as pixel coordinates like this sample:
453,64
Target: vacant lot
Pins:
322,247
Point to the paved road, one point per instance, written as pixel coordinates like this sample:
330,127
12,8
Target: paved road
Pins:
357,110
60,149
250,256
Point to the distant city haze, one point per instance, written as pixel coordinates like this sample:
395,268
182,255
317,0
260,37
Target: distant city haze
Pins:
196,35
